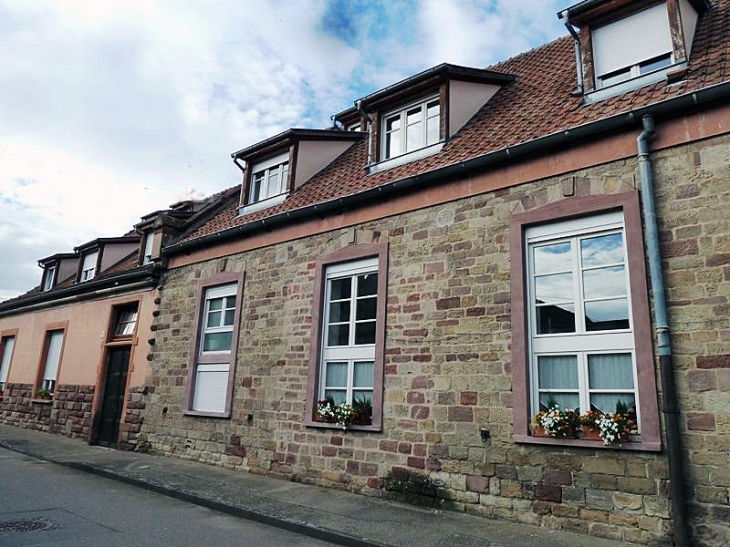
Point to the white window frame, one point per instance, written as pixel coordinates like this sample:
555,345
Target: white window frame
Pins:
125,321
351,353
7,347
48,278
401,113
581,343
53,353
276,167
88,266
148,245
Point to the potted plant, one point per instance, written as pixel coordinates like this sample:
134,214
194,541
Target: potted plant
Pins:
614,428
556,423
44,394
330,412
363,412
589,425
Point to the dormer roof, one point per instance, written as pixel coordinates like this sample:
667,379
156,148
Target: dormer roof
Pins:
292,136
107,241
598,10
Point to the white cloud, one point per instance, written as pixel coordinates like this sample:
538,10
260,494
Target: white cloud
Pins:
111,109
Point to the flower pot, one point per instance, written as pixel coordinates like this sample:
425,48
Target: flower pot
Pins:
538,431
591,434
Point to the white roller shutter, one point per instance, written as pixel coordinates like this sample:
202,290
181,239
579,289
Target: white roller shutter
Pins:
211,386
53,356
631,40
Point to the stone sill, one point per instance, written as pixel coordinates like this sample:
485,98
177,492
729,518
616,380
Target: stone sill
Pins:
42,401
642,446
202,414
327,425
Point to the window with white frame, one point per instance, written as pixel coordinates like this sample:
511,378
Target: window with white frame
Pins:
348,344
411,128
581,337
148,244
88,267
54,344
126,320
214,359
633,46
269,178
48,278
6,354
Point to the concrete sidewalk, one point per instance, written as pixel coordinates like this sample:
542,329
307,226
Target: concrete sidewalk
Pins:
331,515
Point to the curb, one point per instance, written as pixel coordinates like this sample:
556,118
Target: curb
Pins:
302,528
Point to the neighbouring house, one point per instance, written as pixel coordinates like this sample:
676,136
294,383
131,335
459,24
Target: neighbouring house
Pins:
73,351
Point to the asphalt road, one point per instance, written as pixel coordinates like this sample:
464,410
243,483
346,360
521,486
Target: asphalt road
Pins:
43,503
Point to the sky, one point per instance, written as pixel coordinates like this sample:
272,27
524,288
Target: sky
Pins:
113,109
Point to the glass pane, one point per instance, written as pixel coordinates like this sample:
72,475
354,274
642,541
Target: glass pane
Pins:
554,288
367,284
608,315
432,130
336,374
597,251
553,258
611,371
604,282
555,319
363,395
217,341
273,187
562,400
284,176
256,189
414,115
616,77
432,109
557,372
230,316
339,395
364,374
215,304
231,302
338,335
393,124
366,308
655,64
340,288
339,311
414,137
365,333
214,319
610,402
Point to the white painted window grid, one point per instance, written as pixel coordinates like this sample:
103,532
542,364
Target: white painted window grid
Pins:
88,267
53,359
149,243
48,278
269,178
411,128
126,321
581,344
7,347
218,316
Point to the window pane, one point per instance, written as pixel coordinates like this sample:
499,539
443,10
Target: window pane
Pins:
612,371
366,308
555,319
215,304
608,315
655,64
256,188
554,288
432,130
340,289
365,333
432,109
273,186
562,400
604,282
362,395
608,402
557,372
217,341
616,77
414,137
338,335
214,319
367,284
597,251
339,311
414,115
364,374
230,316
393,124
336,374
231,302
553,258
339,395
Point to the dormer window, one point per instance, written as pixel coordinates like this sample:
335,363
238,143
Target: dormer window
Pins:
633,46
149,243
88,267
269,178
411,128
48,277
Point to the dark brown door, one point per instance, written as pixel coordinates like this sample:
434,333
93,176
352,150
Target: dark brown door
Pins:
116,382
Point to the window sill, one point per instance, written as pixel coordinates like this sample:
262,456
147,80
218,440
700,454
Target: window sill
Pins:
405,158
204,414
42,401
263,204
641,446
328,425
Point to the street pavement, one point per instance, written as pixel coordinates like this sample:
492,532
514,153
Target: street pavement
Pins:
324,514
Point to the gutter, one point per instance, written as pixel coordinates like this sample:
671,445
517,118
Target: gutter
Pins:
670,405
83,291
560,138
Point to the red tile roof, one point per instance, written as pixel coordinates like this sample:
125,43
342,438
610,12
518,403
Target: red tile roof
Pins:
537,104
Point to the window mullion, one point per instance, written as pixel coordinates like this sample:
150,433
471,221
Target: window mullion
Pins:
350,380
578,280
353,305
584,395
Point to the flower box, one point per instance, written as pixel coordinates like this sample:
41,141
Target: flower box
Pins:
591,434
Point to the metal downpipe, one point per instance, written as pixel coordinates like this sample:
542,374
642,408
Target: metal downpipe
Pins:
670,405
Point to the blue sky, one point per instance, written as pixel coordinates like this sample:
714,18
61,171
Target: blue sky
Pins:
112,109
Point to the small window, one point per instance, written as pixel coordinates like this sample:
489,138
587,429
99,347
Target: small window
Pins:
214,356
126,321
411,128
353,126
7,344
633,46
269,179
48,278
88,268
52,353
581,337
148,245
